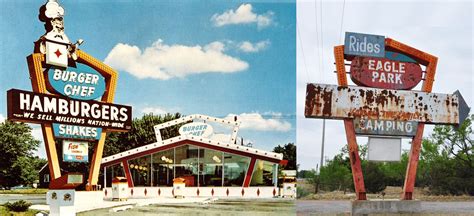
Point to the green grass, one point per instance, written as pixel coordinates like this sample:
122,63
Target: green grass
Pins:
4,211
25,191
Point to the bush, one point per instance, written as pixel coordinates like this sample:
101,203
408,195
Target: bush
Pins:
301,192
374,178
18,206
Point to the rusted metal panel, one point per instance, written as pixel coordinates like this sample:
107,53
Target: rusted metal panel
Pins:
365,126
385,73
364,45
338,102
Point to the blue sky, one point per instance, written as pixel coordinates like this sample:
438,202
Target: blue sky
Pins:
215,58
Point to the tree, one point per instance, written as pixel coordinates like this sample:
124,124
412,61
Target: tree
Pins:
449,154
289,153
17,145
307,174
142,133
335,175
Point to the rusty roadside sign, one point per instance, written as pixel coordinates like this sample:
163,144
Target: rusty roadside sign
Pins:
337,102
385,73
365,126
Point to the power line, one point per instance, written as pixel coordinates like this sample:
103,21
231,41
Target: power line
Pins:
342,20
302,52
322,39
318,56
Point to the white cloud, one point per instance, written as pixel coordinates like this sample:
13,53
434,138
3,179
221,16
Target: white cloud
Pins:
161,61
154,110
243,15
256,121
247,46
2,118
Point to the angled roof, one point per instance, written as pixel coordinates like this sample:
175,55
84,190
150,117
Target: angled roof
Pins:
193,140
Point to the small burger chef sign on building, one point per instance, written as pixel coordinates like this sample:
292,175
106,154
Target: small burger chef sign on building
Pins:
72,96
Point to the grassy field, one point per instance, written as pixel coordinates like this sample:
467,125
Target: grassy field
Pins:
307,192
25,191
6,212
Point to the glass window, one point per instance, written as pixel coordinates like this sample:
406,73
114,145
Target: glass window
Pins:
46,178
114,171
210,167
262,174
162,173
235,167
140,170
186,164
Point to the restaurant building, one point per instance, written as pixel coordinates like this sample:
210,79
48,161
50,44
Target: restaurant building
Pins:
212,164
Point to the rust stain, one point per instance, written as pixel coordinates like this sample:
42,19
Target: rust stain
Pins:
329,101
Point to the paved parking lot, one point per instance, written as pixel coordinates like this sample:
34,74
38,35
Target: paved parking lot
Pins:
322,207
226,207
33,198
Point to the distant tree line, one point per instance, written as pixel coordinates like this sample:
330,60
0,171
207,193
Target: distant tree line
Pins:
446,166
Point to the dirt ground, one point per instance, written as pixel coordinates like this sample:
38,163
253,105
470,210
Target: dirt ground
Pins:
390,193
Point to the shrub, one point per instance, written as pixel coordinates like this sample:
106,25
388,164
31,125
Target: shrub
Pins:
301,192
18,206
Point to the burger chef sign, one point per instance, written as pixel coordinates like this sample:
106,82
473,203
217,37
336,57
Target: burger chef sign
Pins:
81,83
72,102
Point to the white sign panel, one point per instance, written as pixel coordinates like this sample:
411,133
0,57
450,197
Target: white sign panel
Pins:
75,151
384,149
56,54
196,129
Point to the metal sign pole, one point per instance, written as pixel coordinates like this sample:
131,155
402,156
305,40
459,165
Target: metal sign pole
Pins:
354,156
414,156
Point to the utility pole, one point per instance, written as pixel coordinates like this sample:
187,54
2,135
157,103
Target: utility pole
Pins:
318,185
322,146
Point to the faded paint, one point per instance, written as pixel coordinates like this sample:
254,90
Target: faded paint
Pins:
364,45
398,57
385,73
337,102
364,126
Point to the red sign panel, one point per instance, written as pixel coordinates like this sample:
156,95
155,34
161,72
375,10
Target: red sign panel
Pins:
385,73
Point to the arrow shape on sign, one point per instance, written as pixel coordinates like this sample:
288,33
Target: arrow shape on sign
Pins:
464,109
338,102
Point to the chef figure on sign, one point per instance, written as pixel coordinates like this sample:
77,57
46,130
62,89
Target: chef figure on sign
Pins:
55,43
